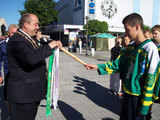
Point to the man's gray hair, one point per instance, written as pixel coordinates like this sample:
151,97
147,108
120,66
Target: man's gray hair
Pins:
12,26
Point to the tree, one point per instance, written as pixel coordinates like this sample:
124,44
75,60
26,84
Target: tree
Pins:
145,27
44,9
95,26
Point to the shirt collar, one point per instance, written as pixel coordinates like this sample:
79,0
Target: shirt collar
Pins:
7,39
25,33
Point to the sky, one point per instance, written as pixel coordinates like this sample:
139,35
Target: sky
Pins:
9,10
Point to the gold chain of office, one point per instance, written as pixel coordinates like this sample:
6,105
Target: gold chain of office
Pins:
32,41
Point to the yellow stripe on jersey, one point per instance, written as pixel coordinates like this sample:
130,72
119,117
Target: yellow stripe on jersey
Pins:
146,103
127,91
110,71
141,52
150,95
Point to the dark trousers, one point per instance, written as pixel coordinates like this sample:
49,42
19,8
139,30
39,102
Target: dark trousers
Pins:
129,110
26,111
5,86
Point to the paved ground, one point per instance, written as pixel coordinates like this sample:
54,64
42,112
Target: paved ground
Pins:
83,94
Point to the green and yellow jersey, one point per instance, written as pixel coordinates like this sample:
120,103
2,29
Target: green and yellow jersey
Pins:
140,67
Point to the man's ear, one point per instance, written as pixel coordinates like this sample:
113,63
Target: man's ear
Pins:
25,25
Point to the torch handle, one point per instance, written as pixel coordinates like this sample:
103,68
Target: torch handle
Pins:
73,56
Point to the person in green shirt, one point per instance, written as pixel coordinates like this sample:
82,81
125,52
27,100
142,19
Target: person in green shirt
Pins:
140,65
90,44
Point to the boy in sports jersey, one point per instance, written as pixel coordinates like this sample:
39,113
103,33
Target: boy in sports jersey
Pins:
139,63
156,36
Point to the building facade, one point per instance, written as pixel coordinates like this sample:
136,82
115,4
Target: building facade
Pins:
3,26
111,11
74,12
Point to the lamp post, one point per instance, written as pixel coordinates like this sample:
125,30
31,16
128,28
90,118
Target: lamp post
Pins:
87,18
60,28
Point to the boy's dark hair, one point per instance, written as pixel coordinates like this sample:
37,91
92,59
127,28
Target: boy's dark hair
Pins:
156,28
133,19
125,36
147,31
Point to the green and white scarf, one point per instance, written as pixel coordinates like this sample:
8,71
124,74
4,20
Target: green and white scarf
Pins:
53,82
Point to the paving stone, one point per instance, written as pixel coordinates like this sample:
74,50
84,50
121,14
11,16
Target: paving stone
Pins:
83,94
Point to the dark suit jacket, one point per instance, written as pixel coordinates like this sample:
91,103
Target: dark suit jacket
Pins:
27,69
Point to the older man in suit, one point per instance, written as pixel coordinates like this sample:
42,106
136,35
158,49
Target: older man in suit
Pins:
27,66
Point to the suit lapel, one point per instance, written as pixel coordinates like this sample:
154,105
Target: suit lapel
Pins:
30,40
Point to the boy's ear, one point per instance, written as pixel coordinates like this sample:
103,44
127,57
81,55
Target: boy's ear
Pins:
137,26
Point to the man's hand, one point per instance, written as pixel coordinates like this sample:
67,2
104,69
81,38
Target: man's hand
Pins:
59,44
1,79
91,67
54,44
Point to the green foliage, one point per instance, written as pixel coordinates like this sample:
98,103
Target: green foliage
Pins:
95,26
5,33
145,27
44,9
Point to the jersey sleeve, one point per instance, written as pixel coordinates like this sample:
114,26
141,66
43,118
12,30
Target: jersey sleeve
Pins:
152,82
111,67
